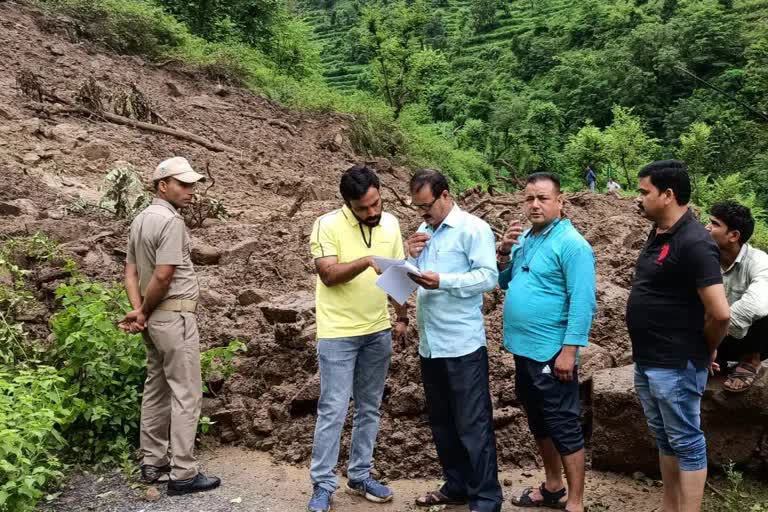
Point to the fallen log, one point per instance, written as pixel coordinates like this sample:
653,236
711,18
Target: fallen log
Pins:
126,121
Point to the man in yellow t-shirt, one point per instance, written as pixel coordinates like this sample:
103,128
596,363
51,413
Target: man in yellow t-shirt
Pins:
354,334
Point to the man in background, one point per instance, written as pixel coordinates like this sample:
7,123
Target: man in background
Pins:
677,315
354,334
745,276
163,291
454,252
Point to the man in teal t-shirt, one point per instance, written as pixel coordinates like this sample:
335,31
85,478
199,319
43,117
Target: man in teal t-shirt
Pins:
548,273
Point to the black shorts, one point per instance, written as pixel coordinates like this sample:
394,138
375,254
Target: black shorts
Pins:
552,406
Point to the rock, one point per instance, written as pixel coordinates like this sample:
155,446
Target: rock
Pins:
173,90
30,158
252,296
33,126
152,494
221,91
505,416
295,336
407,401
262,424
204,254
734,425
593,358
211,298
56,50
67,131
96,151
306,399
289,308
241,251
18,207
55,214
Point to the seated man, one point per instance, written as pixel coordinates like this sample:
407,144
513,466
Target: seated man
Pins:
745,275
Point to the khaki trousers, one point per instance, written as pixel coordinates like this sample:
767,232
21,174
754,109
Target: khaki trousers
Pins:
173,394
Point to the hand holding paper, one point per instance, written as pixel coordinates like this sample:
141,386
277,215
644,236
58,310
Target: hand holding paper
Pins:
394,278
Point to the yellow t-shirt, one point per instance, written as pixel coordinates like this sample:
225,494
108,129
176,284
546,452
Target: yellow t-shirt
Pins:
357,307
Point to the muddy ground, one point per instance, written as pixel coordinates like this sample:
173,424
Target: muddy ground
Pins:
255,268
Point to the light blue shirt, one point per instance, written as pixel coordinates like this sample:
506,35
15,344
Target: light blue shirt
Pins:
552,303
463,251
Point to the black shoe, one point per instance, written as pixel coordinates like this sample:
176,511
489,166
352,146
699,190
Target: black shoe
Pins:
151,474
198,484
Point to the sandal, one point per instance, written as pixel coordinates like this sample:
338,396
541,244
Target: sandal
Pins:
549,499
745,373
433,498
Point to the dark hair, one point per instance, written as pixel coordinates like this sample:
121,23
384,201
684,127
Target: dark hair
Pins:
736,217
669,174
356,181
544,176
434,179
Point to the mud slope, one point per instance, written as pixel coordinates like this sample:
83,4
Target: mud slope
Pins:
255,270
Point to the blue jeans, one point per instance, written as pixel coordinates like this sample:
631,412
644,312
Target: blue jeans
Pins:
356,367
671,400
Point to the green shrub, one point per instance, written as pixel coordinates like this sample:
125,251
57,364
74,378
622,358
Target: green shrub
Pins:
104,367
33,405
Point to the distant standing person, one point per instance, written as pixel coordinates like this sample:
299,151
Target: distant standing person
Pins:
591,178
548,273
454,251
677,315
745,276
354,334
163,291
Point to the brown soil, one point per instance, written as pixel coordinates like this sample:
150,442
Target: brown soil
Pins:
261,290
252,482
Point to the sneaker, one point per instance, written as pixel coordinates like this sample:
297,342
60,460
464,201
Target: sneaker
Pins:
199,483
320,500
151,474
370,489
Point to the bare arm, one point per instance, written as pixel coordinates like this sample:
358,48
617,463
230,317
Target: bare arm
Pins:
132,285
717,314
332,272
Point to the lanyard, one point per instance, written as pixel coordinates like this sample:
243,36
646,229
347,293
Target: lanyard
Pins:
369,241
537,243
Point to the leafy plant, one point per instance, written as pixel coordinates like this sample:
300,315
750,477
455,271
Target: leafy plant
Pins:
124,193
104,365
216,363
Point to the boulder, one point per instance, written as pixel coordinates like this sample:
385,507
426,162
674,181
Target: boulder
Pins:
289,308
18,207
306,399
734,424
252,296
593,358
241,251
407,401
96,151
204,254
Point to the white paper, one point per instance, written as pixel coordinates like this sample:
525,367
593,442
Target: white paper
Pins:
394,278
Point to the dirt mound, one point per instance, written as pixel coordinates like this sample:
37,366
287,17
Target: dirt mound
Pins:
255,269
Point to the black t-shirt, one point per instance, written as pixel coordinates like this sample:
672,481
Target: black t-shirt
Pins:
665,315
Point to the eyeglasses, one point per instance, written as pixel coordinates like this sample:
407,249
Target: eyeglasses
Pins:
424,207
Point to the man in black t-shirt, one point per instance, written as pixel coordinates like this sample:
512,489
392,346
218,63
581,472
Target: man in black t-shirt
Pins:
677,315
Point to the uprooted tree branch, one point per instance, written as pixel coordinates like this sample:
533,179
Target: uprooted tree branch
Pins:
90,102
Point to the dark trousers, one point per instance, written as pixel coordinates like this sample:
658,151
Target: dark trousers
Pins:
756,340
461,417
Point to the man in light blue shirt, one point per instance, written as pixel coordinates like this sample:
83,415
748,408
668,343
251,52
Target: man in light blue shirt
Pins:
454,252
549,277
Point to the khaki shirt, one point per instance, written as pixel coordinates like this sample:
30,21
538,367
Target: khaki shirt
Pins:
746,286
159,237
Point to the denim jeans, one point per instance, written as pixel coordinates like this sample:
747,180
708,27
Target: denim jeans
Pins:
356,367
671,400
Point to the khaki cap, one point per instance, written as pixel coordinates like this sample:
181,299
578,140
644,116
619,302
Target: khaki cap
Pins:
179,168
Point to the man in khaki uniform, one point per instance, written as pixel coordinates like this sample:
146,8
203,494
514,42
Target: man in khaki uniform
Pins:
163,291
